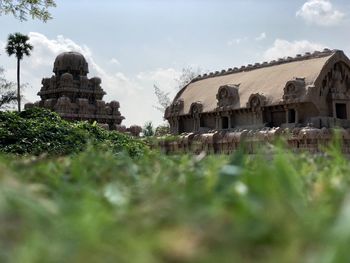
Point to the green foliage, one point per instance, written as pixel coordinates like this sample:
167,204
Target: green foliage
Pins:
21,9
7,92
38,131
162,130
17,45
95,207
101,204
148,129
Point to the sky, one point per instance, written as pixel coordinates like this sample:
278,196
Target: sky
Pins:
135,44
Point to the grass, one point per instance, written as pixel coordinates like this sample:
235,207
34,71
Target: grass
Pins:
101,206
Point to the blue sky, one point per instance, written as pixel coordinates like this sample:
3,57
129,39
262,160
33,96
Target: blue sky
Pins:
133,44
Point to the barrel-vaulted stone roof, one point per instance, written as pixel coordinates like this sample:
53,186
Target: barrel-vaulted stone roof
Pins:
267,79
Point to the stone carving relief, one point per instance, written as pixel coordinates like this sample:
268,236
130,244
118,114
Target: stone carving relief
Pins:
96,83
66,80
227,95
294,89
337,82
114,105
49,104
175,108
196,108
108,109
256,101
84,82
46,84
100,107
178,106
79,96
63,105
83,106
53,82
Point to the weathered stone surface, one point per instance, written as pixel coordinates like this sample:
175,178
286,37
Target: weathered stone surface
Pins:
226,142
308,90
76,97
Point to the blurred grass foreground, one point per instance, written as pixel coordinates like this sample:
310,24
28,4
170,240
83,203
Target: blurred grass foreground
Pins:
113,200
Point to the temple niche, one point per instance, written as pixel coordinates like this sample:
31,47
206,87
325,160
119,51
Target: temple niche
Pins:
74,96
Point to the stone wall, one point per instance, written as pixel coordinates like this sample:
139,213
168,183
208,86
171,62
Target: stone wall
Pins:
298,139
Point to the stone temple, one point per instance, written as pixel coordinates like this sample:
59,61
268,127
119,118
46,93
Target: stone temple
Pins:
74,96
310,90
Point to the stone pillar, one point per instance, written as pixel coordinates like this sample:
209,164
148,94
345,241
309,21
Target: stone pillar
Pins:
174,126
194,124
229,121
296,115
217,122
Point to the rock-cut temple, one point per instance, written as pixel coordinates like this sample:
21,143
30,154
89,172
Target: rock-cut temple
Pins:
74,96
310,90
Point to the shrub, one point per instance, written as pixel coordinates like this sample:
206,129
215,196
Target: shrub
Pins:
36,131
94,207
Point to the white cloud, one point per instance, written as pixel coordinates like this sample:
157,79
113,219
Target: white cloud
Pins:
236,41
115,61
320,12
283,48
261,37
164,78
135,93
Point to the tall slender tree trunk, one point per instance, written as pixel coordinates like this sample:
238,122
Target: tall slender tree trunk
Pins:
18,85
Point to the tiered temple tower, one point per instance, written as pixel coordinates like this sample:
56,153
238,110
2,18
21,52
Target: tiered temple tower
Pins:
74,96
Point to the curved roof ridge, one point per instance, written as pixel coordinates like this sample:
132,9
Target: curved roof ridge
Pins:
268,79
299,57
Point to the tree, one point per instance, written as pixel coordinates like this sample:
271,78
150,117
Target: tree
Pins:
187,75
163,99
17,44
7,94
148,129
162,130
21,9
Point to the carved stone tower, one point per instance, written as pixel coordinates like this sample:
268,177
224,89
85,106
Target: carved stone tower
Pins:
74,96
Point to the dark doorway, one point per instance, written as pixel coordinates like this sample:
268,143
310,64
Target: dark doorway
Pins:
340,109
201,122
181,126
278,118
291,116
224,123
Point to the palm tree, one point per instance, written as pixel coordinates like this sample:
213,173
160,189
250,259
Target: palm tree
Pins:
17,44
